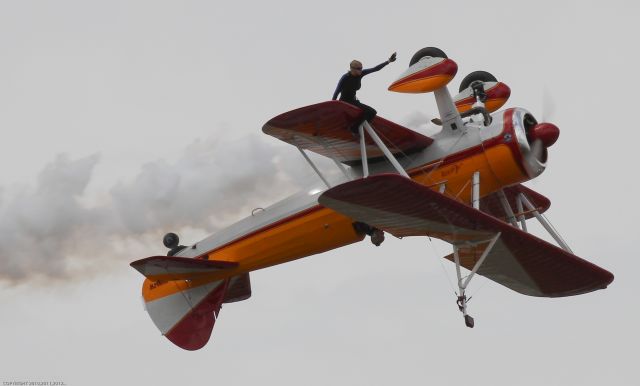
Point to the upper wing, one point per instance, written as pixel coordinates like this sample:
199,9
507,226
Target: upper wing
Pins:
518,260
324,129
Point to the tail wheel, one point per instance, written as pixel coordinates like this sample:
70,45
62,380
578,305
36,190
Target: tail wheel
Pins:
171,240
474,76
427,51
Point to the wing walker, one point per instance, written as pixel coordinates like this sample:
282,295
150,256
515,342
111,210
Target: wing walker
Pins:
463,185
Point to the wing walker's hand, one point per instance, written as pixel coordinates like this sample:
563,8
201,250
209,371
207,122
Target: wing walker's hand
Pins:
392,58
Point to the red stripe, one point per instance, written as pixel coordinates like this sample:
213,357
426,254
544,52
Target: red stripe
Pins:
446,67
498,91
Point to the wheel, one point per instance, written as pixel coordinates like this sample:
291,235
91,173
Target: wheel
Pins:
427,51
170,240
476,75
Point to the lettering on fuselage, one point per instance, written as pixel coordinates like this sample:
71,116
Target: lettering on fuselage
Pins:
450,170
156,284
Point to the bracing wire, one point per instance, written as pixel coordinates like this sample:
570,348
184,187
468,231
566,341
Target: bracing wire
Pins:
439,258
427,174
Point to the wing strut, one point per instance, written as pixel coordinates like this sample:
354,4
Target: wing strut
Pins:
382,147
363,152
462,285
545,223
322,143
507,209
521,217
475,190
313,166
525,207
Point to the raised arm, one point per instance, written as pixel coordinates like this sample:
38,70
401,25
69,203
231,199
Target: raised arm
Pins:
374,69
380,66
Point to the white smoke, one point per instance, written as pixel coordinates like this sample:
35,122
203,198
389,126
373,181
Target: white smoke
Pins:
38,224
47,233
420,122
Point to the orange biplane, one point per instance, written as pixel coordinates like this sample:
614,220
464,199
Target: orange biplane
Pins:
462,185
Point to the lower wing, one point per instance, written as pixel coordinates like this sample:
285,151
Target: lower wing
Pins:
518,260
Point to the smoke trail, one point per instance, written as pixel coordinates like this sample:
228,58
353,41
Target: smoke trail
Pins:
419,121
46,233
37,225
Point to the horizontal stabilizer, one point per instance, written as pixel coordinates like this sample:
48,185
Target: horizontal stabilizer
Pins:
167,268
518,260
323,128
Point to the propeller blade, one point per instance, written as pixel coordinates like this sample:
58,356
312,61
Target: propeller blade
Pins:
537,149
548,106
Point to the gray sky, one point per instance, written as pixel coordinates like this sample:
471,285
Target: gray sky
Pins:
103,104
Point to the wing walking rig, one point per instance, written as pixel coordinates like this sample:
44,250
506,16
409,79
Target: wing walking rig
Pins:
463,186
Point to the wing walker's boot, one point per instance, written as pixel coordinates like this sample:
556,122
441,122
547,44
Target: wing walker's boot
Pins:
377,235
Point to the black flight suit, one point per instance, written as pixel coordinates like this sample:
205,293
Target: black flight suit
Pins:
347,87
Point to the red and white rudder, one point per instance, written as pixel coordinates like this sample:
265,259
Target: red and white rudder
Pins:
186,308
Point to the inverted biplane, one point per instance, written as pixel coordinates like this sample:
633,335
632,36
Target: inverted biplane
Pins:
462,185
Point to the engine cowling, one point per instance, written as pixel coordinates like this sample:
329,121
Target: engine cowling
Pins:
533,140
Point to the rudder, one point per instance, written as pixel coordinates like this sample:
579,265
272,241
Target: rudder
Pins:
181,299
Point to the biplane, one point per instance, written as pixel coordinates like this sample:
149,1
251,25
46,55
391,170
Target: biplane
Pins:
462,185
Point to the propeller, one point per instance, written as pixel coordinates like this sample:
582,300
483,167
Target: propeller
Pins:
538,150
543,135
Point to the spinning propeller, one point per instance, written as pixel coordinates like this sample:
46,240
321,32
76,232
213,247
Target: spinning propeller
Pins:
542,135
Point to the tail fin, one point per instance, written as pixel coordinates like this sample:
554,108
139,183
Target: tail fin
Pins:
182,302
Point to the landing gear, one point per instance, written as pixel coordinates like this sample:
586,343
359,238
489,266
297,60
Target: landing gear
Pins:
475,76
427,51
171,240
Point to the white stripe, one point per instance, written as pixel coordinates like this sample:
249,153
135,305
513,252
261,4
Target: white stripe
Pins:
166,312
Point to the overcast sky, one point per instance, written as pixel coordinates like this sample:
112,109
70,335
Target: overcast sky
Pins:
104,104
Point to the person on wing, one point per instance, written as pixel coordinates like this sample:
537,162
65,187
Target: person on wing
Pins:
351,82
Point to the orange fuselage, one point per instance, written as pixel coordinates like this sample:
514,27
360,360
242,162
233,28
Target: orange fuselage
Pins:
318,229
